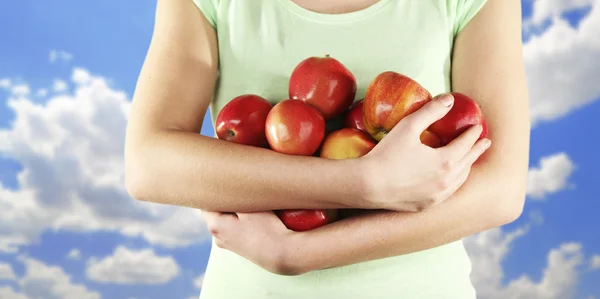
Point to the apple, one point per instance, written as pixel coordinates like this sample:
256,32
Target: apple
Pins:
324,83
294,128
303,220
390,97
347,143
465,112
354,117
431,139
243,120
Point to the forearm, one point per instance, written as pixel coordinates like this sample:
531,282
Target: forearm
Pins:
167,161
188,169
482,203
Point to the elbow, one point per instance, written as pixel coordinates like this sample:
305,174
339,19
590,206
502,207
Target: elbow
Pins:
136,183
286,260
286,268
286,265
510,205
138,180
513,209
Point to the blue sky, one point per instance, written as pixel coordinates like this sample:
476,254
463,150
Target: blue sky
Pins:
83,52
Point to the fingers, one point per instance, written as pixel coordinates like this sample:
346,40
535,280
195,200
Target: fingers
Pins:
459,180
474,153
217,221
459,173
268,218
261,214
456,150
431,112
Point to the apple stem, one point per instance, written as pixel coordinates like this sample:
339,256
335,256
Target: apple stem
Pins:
327,55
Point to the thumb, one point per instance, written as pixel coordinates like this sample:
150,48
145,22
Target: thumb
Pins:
431,112
262,215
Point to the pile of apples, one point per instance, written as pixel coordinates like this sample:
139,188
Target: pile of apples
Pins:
321,118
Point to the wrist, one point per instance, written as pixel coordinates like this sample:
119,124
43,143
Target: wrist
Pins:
364,172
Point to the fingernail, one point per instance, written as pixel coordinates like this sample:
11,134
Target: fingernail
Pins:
447,99
487,143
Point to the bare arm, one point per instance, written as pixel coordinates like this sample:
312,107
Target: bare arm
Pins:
487,65
168,161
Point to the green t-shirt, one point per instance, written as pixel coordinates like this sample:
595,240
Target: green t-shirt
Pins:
260,43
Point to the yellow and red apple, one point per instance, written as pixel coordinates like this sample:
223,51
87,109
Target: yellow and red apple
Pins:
347,143
390,97
294,128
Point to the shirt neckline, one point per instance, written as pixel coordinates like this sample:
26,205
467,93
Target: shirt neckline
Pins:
333,18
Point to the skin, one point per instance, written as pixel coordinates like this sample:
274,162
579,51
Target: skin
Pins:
168,162
487,51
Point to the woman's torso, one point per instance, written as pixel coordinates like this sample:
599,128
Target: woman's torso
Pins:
260,43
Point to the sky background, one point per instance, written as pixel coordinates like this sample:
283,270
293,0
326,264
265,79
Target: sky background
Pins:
68,229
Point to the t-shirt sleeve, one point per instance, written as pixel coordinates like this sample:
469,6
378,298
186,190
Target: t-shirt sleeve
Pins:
209,9
466,10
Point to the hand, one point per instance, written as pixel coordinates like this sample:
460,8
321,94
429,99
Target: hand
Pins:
260,237
402,174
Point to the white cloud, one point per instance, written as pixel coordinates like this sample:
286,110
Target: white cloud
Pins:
561,63
559,279
198,281
71,149
20,90
595,262
551,176
74,254
42,92
5,83
51,282
488,250
80,76
9,293
59,55
60,85
6,272
127,266
544,9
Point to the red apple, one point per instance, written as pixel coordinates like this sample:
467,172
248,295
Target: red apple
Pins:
390,97
354,116
324,83
243,120
294,128
465,112
347,143
303,220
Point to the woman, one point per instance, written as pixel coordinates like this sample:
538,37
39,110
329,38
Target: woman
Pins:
421,201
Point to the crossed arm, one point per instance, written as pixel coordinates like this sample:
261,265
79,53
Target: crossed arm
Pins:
487,64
